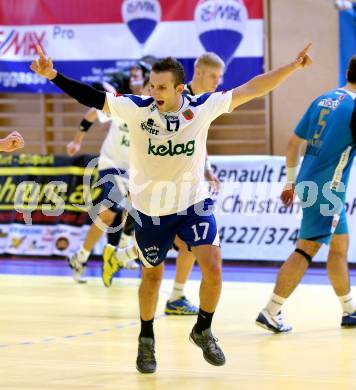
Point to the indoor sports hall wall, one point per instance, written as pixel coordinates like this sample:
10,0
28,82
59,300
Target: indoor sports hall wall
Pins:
292,24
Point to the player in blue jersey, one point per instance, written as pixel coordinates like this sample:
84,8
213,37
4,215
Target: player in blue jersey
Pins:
168,133
328,129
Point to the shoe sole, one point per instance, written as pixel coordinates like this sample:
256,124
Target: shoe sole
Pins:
213,363
267,327
176,313
145,371
80,281
106,258
271,328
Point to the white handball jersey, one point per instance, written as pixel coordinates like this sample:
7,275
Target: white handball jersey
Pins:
168,150
114,152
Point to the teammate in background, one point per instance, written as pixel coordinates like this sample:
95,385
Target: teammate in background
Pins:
168,133
208,73
113,168
12,142
328,128
133,81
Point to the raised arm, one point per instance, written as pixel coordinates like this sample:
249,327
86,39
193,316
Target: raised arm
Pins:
83,93
262,84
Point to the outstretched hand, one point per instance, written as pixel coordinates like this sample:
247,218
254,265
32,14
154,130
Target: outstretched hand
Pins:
43,65
303,59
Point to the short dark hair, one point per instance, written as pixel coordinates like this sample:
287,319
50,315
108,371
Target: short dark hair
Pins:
351,70
172,65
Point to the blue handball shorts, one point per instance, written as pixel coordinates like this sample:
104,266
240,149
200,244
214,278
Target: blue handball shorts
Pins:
319,228
155,235
114,184
316,224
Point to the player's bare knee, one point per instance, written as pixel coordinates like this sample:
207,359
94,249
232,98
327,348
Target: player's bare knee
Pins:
337,254
152,276
307,249
339,246
212,271
304,255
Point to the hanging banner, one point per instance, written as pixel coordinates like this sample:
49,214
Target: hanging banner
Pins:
90,40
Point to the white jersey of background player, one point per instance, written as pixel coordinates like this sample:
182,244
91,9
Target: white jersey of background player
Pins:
114,151
113,167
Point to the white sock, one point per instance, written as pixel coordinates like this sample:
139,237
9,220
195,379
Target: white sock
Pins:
177,292
83,255
124,240
126,254
347,303
274,305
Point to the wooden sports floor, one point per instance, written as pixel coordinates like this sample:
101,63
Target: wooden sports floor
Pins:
55,334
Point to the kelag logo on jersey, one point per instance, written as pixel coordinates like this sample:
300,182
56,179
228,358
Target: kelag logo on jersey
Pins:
221,25
141,16
170,149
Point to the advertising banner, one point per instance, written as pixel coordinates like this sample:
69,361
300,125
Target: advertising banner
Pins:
253,223
90,40
47,204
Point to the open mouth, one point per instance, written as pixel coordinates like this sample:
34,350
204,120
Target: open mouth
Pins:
160,103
